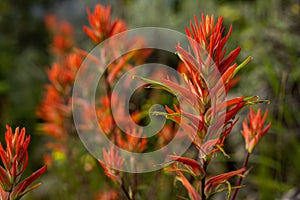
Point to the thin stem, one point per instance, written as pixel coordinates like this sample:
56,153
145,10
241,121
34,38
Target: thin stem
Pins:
203,182
135,183
109,94
126,192
241,178
8,197
10,191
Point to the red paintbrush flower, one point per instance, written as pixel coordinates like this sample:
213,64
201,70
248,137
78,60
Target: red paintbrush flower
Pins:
15,159
62,31
133,141
254,132
210,37
112,162
56,107
102,26
206,86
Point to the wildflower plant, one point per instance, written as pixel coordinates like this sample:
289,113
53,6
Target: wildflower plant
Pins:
62,149
204,59
15,159
208,72
56,106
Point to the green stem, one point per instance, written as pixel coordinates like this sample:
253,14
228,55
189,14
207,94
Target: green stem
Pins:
241,178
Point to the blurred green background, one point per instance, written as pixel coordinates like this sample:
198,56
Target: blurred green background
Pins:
267,30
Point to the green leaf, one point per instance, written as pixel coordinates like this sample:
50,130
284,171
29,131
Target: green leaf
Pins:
156,83
27,190
242,65
4,179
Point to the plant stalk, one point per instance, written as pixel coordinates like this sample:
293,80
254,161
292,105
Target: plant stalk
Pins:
126,192
203,182
241,178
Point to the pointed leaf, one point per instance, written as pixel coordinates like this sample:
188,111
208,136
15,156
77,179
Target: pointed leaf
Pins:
21,187
191,190
27,190
213,182
4,179
243,64
156,83
196,167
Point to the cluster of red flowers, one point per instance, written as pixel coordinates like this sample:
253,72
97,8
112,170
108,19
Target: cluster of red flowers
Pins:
56,109
255,131
15,160
209,75
63,32
102,27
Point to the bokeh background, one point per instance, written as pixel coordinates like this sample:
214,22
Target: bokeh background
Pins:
267,30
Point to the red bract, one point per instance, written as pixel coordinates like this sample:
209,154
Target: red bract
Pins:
210,37
63,35
56,104
213,182
192,165
133,141
112,163
22,188
166,134
15,159
254,132
56,107
191,190
102,26
205,90
211,185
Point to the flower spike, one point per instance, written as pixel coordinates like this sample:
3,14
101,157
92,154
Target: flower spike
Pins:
103,28
256,130
15,159
112,162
